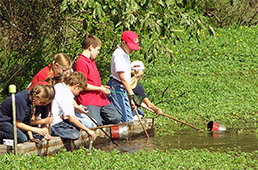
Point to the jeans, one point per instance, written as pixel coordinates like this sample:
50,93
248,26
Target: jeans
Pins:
65,130
6,132
120,100
140,111
104,115
85,120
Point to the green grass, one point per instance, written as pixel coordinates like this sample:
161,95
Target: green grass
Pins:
148,159
219,80
218,76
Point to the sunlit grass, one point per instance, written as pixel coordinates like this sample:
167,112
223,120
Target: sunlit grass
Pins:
148,159
218,77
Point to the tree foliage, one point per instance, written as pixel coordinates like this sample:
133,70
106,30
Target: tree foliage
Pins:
31,31
157,22
233,12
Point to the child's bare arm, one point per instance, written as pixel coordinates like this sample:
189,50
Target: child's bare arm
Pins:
47,120
32,139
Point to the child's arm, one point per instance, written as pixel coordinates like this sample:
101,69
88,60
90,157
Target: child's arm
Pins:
77,123
32,139
30,135
150,105
78,108
126,86
47,120
103,89
25,127
125,83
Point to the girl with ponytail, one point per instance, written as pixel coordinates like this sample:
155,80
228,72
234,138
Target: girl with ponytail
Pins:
29,104
137,71
61,64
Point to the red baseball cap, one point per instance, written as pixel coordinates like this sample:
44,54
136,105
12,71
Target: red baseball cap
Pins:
131,39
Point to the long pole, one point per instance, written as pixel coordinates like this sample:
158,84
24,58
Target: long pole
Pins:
174,119
146,133
12,89
181,122
48,141
101,128
49,128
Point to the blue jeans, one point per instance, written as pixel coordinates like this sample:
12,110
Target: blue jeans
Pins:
6,132
140,111
85,120
65,130
104,115
120,100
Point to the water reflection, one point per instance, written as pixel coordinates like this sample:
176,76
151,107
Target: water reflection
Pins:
216,140
187,140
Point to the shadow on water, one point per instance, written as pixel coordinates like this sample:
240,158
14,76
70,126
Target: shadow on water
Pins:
222,140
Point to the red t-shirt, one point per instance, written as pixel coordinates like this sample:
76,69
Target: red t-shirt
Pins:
90,70
40,76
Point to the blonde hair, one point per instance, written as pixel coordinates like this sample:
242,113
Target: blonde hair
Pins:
62,60
76,78
45,92
136,75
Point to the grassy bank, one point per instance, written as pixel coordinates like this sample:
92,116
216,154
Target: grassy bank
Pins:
218,77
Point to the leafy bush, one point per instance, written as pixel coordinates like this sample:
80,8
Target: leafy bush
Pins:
31,34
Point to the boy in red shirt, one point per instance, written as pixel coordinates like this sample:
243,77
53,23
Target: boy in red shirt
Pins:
94,97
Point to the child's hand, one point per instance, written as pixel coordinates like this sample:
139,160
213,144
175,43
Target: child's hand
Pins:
105,90
133,104
48,120
92,134
81,109
47,137
159,112
42,131
37,141
107,87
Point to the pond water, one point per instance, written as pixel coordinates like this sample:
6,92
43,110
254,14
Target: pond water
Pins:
230,138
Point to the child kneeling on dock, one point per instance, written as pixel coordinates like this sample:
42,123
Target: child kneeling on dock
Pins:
65,124
28,103
137,71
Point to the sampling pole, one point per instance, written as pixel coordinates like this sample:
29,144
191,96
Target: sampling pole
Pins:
12,90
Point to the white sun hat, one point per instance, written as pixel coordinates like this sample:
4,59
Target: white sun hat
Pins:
137,65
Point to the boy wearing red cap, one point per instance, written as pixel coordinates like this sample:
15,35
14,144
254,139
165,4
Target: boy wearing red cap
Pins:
121,75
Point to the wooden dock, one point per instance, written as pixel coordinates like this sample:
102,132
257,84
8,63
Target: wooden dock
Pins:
123,131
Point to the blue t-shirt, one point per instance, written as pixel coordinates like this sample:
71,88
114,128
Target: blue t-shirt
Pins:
23,107
139,90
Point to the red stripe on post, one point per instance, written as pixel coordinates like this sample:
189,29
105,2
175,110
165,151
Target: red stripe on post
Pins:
115,132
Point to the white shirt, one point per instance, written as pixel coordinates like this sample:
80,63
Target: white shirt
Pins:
120,63
62,103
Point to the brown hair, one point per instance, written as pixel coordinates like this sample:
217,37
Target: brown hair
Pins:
76,78
58,78
91,40
46,92
136,75
62,60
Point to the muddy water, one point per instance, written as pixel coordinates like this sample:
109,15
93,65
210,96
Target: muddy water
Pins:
188,139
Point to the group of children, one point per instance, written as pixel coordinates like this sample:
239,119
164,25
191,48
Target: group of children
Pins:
66,99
